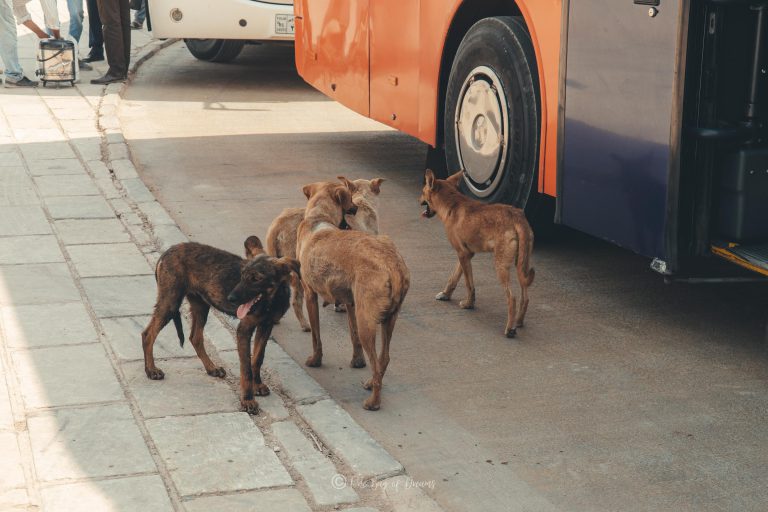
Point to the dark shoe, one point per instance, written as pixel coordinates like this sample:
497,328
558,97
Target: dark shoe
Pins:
108,79
93,57
84,65
135,25
24,82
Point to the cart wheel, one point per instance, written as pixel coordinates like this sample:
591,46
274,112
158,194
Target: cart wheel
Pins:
72,83
45,84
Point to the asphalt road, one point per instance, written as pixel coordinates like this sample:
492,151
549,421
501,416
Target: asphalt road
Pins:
621,393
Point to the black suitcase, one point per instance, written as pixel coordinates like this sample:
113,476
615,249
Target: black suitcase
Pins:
57,61
743,211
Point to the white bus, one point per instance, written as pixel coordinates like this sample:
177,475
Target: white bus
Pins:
216,30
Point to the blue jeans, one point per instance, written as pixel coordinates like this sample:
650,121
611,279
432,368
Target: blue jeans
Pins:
9,44
76,17
141,14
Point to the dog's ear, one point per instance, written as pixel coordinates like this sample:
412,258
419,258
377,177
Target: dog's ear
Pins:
376,185
429,179
350,184
289,265
309,190
455,178
253,247
343,196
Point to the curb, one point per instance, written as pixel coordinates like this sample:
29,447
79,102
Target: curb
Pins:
155,230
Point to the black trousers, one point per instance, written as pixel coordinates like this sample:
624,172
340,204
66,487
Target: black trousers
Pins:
116,24
95,36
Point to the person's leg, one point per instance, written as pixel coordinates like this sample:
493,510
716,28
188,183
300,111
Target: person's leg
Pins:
109,11
141,14
125,23
9,46
76,16
95,35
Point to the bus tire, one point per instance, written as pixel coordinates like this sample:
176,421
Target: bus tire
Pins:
215,50
492,122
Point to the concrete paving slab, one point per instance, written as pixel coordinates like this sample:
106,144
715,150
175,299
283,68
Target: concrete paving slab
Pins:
91,231
98,169
293,379
23,220
344,437
316,469
283,500
47,325
407,495
15,499
186,389
79,207
271,404
56,376
95,260
88,147
121,296
17,188
10,159
10,463
57,166
156,214
137,190
124,335
140,493
361,509
216,453
6,414
123,167
46,283
47,151
66,185
88,442
168,236
30,249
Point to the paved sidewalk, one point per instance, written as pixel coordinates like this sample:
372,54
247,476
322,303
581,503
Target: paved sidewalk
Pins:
81,427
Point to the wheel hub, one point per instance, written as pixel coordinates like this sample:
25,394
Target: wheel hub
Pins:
482,126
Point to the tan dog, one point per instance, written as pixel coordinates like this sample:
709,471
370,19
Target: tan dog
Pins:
281,235
472,227
363,271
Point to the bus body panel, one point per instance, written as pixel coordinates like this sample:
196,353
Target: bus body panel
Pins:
332,41
220,19
620,87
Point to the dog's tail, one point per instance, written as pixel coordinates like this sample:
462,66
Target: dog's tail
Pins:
179,328
525,273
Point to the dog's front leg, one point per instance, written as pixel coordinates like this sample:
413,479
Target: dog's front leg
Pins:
244,332
313,311
465,260
259,349
453,281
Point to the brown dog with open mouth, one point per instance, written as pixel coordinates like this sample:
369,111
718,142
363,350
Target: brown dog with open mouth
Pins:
472,227
281,235
255,290
363,271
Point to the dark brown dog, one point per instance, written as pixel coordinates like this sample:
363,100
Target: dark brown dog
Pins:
472,227
255,290
363,271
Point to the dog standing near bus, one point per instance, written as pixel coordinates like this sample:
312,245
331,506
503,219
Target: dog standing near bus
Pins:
473,226
365,272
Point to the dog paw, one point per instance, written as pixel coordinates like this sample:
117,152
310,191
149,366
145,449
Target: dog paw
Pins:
519,324
368,385
511,333
442,296
340,308
371,405
217,372
465,304
314,361
250,406
260,390
306,328
357,362
154,373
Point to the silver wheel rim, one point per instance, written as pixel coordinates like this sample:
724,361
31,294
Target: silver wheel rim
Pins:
482,130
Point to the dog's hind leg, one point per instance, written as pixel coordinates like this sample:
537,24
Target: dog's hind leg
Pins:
358,360
366,328
465,260
387,328
165,309
244,333
450,287
199,310
297,301
503,261
259,349
316,359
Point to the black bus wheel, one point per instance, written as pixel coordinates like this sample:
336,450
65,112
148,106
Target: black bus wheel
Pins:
491,122
215,50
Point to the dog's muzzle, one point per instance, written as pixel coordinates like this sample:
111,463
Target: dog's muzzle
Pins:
352,210
428,212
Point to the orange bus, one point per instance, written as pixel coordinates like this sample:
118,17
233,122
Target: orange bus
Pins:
644,120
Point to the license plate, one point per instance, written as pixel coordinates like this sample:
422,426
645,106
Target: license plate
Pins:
284,24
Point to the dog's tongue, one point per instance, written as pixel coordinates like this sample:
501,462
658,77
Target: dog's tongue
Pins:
243,309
